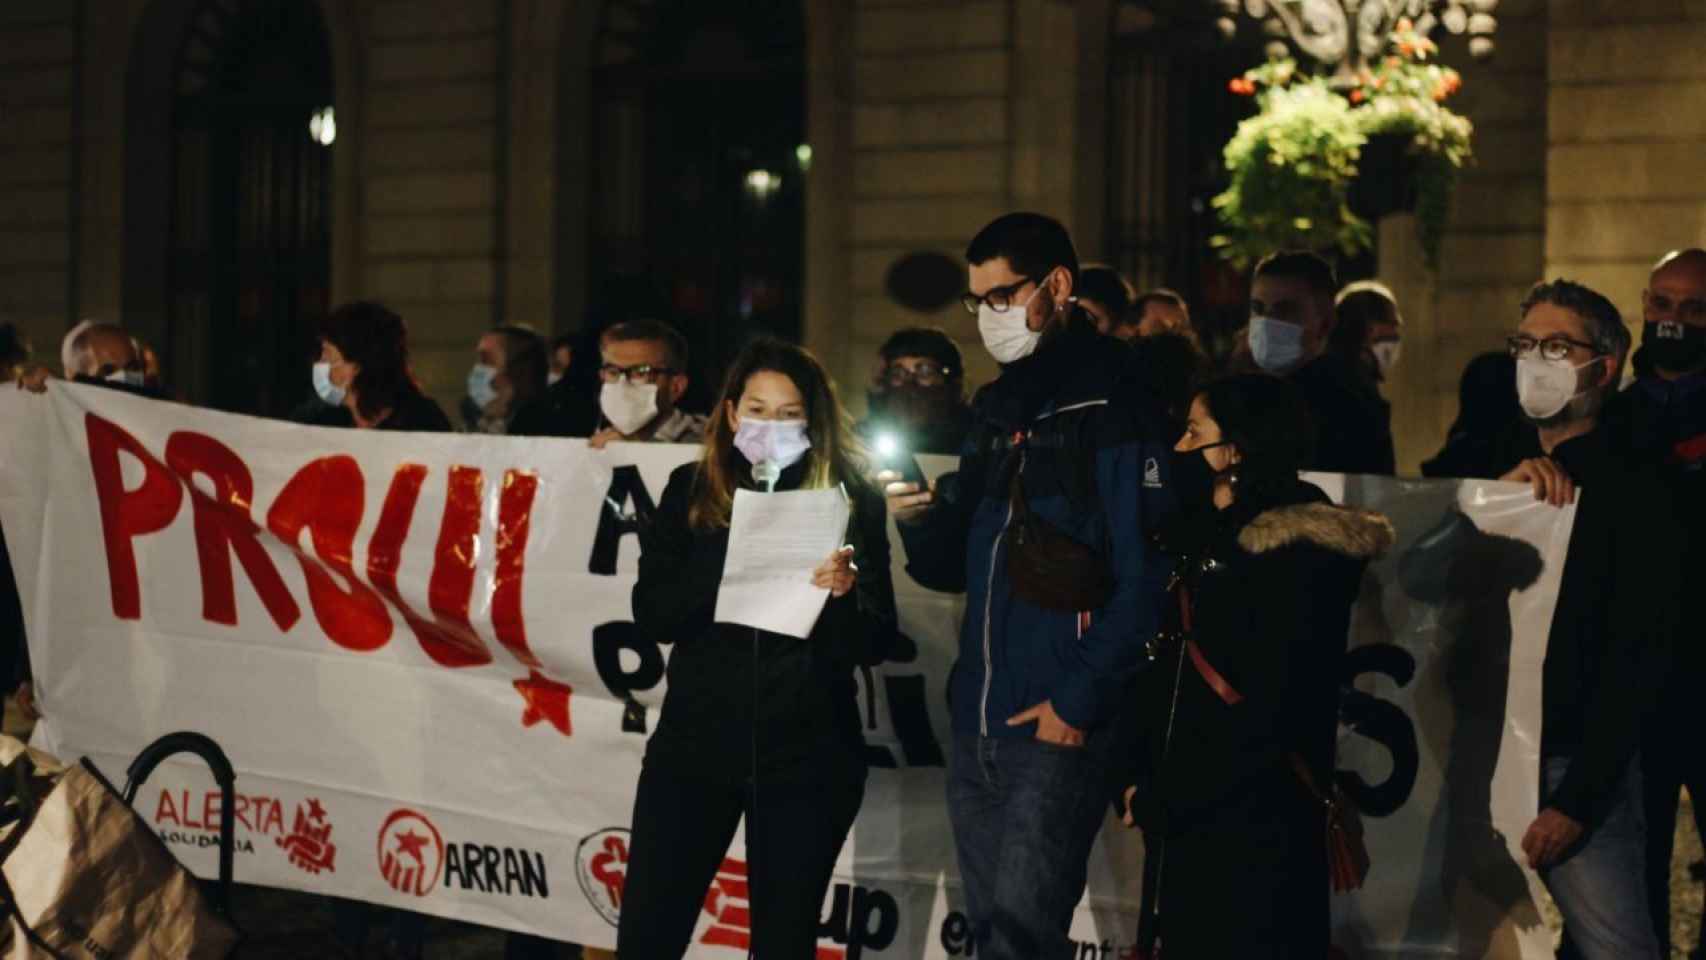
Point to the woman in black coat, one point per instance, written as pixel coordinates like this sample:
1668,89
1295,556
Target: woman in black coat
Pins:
1241,704
754,725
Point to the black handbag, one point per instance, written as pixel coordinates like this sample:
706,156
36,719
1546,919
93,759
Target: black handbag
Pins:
1048,568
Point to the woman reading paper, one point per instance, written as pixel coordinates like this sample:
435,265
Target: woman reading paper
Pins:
755,725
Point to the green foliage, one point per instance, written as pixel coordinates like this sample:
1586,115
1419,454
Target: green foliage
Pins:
1292,163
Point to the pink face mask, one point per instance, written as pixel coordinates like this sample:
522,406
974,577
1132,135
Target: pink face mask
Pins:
782,442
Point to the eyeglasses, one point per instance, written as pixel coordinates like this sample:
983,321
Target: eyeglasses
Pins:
1551,348
638,373
998,298
923,374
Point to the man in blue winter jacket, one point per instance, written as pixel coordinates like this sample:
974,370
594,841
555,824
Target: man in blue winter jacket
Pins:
1042,661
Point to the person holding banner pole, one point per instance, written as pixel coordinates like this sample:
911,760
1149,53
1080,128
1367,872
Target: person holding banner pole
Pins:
1233,739
755,725
1610,643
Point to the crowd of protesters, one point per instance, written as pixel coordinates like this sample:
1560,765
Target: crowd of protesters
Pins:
1156,606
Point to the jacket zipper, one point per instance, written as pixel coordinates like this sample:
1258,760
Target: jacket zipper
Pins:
988,598
1166,751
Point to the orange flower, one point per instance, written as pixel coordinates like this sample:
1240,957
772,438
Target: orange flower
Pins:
1241,86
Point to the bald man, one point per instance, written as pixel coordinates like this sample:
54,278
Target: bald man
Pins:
95,352
1662,419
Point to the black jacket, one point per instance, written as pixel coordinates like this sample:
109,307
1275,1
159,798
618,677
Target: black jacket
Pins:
1227,820
807,715
1612,631
1663,423
1353,423
414,412
1272,580
565,409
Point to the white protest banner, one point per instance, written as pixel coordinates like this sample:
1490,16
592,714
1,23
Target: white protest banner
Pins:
417,651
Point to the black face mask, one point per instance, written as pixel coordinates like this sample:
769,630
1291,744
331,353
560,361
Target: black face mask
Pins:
1673,346
1194,478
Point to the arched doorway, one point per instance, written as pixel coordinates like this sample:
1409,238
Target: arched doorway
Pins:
697,151
248,260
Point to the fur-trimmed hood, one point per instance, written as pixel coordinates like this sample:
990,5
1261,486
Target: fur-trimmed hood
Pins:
1361,534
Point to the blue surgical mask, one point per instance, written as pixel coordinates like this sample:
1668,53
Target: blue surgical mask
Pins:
481,388
325,388
1276,346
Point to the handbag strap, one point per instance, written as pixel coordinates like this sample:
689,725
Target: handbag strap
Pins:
1300,767
1219,684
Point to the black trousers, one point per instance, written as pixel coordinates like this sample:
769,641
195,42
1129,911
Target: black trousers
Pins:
683,823
1670,765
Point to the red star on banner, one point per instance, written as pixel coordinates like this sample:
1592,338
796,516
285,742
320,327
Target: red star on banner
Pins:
547,700
412,844
315,811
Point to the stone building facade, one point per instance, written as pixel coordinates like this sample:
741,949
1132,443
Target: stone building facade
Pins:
461,182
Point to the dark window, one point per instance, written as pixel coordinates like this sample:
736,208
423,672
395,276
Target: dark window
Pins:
1170,118
698,190
248,264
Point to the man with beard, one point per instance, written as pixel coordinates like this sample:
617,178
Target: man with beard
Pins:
923,403
1619,607
1661,420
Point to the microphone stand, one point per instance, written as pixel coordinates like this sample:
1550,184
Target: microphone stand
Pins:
765,472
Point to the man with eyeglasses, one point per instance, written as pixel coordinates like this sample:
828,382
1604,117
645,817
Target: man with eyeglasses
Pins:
922,407
644,375
1661,419
1067,435
1618,609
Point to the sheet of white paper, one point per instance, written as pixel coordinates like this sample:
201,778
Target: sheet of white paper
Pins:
776,540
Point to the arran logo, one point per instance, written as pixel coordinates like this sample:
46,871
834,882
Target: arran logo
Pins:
411,853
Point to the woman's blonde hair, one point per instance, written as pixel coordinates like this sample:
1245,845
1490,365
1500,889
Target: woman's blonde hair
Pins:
836,455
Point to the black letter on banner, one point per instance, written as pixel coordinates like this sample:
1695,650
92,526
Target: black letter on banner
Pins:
859,934
613,524
836,924
608,642
1383,723
956,936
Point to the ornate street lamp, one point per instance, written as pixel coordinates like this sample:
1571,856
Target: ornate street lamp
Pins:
1345,36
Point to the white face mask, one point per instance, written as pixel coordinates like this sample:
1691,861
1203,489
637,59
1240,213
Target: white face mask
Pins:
323,385
1006,334
629,406
130,378
1275,345
1386,353
1545,387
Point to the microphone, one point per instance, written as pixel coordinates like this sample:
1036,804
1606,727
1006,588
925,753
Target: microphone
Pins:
767,473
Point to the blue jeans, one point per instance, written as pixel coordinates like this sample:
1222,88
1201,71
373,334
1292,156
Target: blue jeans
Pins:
1601,885
1024,815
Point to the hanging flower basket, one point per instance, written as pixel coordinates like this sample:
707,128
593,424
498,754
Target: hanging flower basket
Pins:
1405,151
